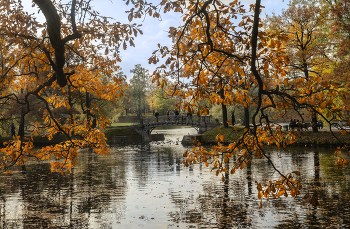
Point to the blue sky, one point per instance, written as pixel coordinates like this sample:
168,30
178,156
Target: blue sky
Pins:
154,30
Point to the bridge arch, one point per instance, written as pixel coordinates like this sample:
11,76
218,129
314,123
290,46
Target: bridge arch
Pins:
148,124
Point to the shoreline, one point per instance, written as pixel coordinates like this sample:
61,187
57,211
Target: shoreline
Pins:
322,138
124,135
114,136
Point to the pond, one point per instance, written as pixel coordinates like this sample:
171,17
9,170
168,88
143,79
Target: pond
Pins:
145,186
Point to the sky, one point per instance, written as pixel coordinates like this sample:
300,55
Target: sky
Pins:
154,30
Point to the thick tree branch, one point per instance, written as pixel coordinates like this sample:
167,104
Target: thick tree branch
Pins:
54,30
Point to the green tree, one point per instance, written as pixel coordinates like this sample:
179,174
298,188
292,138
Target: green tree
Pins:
139,85
162,101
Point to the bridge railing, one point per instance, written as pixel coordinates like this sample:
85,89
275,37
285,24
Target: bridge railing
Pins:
175,120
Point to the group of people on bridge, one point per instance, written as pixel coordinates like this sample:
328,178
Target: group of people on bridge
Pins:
302,125
176,115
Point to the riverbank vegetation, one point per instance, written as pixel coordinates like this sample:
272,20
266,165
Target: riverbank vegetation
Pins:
109,133
303,138
120,131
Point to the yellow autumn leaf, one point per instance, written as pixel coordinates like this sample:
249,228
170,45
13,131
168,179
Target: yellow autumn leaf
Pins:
281,192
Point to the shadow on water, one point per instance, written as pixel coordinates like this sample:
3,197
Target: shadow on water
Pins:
146,186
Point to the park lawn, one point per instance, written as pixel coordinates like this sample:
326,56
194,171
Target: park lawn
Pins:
44,141
321,138
39,140
230,134
121,124
122,131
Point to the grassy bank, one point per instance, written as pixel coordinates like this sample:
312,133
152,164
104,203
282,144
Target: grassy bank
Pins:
43,141
114,125
39,140
321,138
230,134
119,131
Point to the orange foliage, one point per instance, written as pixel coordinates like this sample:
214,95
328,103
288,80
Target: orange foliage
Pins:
285,65
69,53
213,58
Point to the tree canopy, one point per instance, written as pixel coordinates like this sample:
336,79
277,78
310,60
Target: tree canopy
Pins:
288,63
222,53
139,84
75,50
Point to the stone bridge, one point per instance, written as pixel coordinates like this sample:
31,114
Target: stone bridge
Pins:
146,125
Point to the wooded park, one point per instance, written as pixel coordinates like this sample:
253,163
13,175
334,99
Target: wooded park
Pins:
224,55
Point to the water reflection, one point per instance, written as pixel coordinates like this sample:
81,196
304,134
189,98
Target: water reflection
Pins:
145,186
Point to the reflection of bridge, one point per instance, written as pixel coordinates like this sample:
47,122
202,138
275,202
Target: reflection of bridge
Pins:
146,125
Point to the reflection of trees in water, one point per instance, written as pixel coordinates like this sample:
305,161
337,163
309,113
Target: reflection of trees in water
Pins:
103,178
226,206
222,206
146,159
312,219
141,160
215,209
331,189
52,200
41,192
249,178
299,156
333,195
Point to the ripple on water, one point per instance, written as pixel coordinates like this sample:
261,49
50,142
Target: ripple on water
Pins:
145,186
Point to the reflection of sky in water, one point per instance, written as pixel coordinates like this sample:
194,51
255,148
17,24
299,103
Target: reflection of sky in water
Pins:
175,135
145,186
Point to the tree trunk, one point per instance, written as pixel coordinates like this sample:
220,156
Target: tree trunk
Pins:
88,106
70,102
224,115
70,105
224,109
21,126
246,117
314,122
139,109
313,113
21,123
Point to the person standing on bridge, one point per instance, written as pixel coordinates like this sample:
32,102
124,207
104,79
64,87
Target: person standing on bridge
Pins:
168,115
156,114
189,117
176,113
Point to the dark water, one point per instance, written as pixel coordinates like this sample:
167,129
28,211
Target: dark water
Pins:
147,187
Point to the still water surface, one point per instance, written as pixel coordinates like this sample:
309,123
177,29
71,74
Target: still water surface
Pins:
145,186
